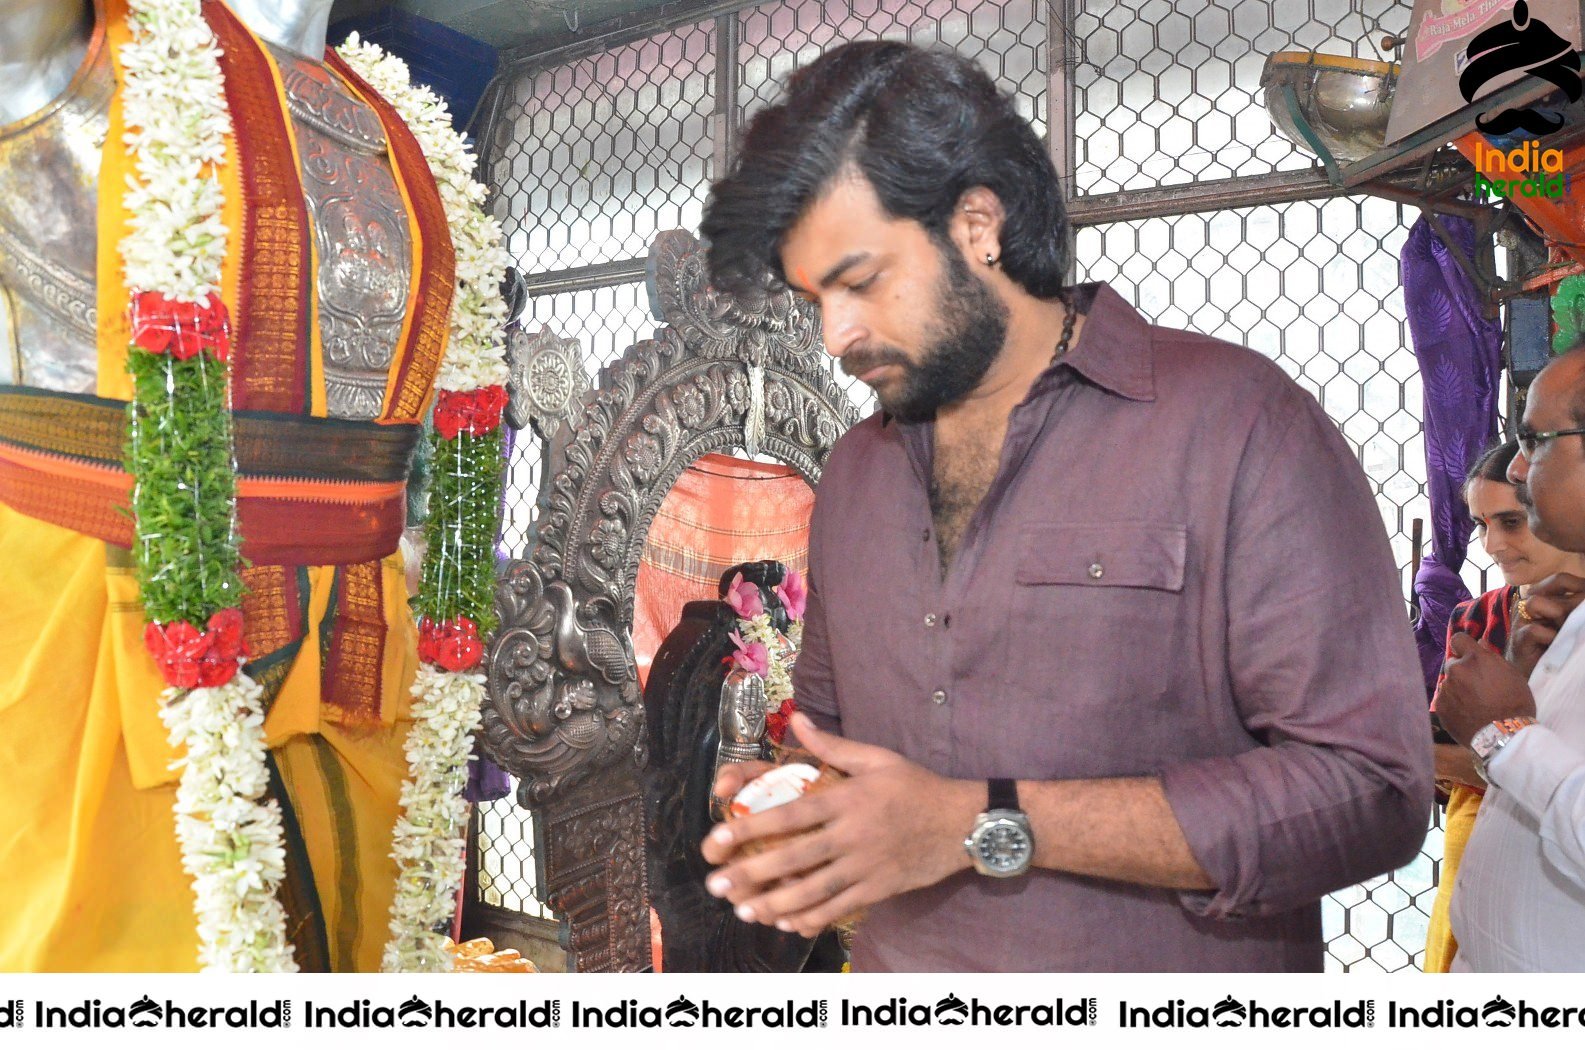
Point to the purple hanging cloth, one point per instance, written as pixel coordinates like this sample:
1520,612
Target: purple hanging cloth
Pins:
1460,355
486,781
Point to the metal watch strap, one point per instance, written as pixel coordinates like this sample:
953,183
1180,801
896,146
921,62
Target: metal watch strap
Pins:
1491,738
1002,794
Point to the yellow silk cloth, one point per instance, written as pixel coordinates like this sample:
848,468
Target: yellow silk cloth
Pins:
721,511
87,837
1463,805
92,867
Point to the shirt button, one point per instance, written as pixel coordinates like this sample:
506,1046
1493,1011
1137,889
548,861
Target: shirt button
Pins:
930,619
925,536
938,697
1097,570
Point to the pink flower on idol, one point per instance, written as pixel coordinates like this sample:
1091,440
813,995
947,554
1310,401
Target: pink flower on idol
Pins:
744,598
794,595
752,657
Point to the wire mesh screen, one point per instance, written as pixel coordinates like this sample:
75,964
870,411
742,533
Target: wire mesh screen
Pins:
507,877
1167,92
1311,284
1007,38
604,151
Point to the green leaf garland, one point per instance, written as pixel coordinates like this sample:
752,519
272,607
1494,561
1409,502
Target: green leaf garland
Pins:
464,519
180,453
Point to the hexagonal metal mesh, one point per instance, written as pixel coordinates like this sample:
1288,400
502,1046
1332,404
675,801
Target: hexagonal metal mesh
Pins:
1162,93
605,321
1006,37
508,877
1167,92
600,154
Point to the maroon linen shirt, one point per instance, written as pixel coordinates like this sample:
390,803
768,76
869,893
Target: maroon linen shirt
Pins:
1178,571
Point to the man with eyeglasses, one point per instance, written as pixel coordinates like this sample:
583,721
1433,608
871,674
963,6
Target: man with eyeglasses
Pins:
1520,899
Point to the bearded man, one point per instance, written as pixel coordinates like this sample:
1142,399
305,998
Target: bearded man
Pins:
1104,625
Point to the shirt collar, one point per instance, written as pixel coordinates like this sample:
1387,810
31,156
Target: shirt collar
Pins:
1114,348
1113,351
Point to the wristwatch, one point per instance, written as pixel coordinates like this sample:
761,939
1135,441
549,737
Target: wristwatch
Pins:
1492,738
1002,843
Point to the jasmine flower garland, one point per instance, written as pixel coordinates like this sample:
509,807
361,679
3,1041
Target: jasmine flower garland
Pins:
179,454
456,599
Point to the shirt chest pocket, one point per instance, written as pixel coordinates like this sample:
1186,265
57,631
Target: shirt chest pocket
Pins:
1135,555
1099,618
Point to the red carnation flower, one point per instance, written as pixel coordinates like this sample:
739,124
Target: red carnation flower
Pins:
476,411
171,326
225,628
453,645
191,659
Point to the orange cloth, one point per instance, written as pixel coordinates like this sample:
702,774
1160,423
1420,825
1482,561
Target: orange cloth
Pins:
721,511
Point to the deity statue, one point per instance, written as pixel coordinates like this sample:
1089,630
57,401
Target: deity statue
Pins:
339,283
702,711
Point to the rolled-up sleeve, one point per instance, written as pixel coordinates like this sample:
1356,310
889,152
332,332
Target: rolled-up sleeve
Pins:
1336,785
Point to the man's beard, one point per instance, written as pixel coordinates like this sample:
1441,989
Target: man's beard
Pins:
969,333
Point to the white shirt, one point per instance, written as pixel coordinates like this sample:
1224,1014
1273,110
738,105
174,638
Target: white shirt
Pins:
1519,902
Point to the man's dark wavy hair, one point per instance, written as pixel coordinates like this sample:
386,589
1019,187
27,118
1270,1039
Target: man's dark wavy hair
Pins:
923,127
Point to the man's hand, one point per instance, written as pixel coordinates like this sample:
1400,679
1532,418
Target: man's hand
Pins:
731,778
1548,605
1455,764
1480,687
890,827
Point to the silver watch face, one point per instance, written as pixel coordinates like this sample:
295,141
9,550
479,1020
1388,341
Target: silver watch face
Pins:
1485,740
1003,846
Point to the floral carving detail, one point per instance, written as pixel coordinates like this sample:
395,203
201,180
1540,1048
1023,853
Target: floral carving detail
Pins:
737,392
610,541
645,456
692,404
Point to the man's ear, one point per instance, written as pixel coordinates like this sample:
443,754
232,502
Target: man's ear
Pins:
976,226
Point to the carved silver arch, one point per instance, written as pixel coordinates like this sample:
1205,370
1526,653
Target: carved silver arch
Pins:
724,372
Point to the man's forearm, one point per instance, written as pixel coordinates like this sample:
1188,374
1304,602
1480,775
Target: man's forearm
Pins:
1121,829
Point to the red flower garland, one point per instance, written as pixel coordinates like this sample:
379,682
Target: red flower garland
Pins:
181,329
453,645
476,411
191,659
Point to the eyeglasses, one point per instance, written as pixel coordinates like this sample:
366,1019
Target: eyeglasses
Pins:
1530,441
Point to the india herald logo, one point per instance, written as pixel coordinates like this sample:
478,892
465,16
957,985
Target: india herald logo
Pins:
415,1013
145,1013
1528,45
682,1012
1229,1013
1499,1013
951,1010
